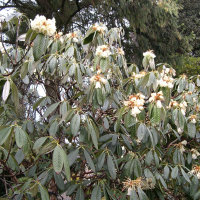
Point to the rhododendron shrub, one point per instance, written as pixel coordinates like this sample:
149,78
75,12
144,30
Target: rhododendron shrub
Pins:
102,128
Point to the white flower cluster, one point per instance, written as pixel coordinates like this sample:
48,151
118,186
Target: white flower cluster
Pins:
42,25
120,51
103,51
166,81
135,103
157,97
138,76
97,80
195,153
181,145
99,27
168,71
73,36
182,106
192,118
149,55
196,171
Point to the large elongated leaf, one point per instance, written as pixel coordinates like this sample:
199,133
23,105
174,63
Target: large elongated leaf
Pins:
92,131
15,94
4,134
80,194
39,142
96,193
44,193
66,165
73,156
75,124
19,136
111,167
89,160
39,46
58,159
50,109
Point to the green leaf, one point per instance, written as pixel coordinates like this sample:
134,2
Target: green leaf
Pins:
39,142
149,158
111,167
92,132
194,186
89,160
71,189
156,115
75,124
133,195
185,175
80,194
19,136
137,167
24,70
59,181
58,159
174,173
50,109
181,119
39,46
141,132
96,193
28,35
67,116
35,105
120,113
103,64
15,95
4,134
142,195
197,195
73,156
99,96
143,82
66,165
191,129
166,172
53,128
44,193
101,160
88,39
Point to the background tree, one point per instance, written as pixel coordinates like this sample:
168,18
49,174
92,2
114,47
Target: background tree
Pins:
148,24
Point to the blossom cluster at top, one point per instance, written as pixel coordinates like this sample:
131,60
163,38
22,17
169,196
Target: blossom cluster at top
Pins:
42,25
74,36
103,51
99,27
157,97
182,106
97,80
135,103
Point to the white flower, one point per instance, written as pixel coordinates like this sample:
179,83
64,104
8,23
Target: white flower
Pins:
42,25
192,119
120,51
184,142
149,54
98,84
6,90
98,79
67,142
103,51
180,130
135,111
159,104
75,39
99,27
